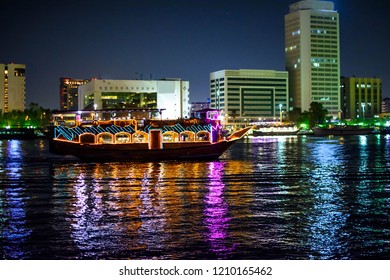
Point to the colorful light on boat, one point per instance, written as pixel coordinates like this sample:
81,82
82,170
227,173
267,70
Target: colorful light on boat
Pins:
141,138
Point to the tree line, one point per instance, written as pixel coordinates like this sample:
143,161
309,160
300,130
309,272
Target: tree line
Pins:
34,116
318,115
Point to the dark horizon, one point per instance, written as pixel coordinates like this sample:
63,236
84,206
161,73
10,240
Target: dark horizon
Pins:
172,39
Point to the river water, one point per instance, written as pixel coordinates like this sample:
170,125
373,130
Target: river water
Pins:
299,197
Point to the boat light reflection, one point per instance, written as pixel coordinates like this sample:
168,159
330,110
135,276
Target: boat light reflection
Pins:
152,209
216,212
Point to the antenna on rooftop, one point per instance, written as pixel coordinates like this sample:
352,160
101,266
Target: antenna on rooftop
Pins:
140,76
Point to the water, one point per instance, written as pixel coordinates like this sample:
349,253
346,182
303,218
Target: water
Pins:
267,198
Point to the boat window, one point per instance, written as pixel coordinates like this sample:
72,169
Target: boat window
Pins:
203,136
140,137
187,136
105,138
87,138
122,137
170,136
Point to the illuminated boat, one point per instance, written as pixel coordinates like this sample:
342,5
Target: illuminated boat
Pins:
342,130
125,137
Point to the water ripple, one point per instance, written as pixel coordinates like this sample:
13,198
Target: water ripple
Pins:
267,198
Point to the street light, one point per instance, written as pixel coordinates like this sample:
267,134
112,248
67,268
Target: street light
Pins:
95,114
280,112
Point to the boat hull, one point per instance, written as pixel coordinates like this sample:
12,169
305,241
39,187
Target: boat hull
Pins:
342,131
141,151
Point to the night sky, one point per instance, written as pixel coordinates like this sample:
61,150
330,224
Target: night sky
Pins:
185,39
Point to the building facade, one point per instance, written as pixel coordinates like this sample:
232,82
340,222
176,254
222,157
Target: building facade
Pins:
312,55
12,87
247,95
196,106
169,94
69,93
362,97
385,105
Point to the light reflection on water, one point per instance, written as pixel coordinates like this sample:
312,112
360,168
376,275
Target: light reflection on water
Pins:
327,217
12,206
216,212
267,198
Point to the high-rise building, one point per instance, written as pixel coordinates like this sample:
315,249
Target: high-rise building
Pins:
248,95
12,87
169,94
69,93
361,97
312,55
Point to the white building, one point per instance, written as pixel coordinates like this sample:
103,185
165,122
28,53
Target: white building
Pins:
12,87
249,95
169,94
312,55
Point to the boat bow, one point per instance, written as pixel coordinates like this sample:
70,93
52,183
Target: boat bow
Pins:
238,134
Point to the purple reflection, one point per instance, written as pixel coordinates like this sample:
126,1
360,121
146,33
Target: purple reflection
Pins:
216,212
265,139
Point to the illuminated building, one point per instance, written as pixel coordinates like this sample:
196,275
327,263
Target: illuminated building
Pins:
69,93
12,87
196,106
248,95
361,97
312,55
386,105
169,94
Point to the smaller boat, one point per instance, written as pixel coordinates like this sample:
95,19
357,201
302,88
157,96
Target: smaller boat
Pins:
384,130
18,133
342,130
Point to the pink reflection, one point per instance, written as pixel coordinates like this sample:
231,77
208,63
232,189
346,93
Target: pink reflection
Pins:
265,139
216,212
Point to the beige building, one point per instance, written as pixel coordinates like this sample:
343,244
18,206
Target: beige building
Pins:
362,97
312,55
12,87
249,95
69,93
